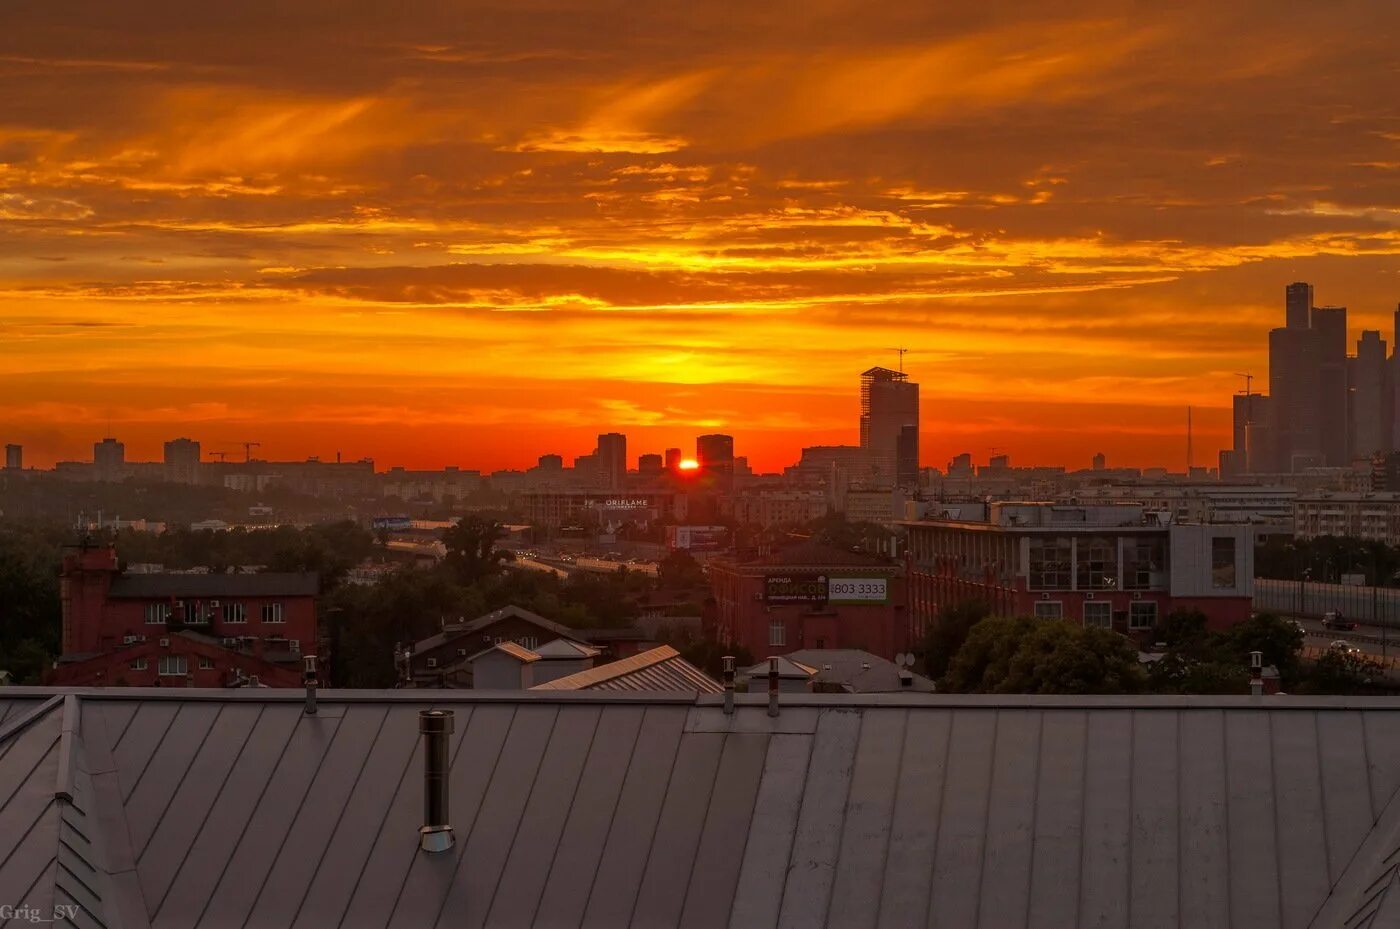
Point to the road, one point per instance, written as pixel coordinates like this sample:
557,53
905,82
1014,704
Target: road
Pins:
1373,640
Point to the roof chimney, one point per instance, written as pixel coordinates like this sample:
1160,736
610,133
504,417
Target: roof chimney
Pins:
435,834
728,685
309,676
1256,673
773,686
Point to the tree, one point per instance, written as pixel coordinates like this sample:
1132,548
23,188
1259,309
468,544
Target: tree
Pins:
29,603
471,548
679,569
947,635
1343,671
1279,640
1035,656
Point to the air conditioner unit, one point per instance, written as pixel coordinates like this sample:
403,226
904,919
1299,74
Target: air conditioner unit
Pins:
230,640
141,637
164,642
128,639
294,644
432,662
1089,595
462,652
213,604
1137,596
1045,596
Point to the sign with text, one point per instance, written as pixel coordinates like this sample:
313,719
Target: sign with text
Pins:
859,590
795,588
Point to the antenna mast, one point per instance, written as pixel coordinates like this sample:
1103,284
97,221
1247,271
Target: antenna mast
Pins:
902,352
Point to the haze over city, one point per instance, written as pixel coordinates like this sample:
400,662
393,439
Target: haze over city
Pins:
442,238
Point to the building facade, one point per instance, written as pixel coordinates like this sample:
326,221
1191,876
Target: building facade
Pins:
1371,516
889,427
810,596
181,630
1114,566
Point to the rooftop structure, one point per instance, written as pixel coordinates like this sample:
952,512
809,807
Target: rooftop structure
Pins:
572,809
661,669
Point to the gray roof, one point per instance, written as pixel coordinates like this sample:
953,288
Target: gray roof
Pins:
215,808
857,671
195,586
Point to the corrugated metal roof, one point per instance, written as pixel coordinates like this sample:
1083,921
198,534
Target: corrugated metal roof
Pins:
518,652
208,808
457,630
660,669
191,586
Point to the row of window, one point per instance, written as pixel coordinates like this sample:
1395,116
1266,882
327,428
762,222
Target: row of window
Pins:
160,613
170,665
1142,614
1055,565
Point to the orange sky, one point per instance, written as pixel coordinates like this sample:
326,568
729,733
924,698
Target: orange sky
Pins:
472,233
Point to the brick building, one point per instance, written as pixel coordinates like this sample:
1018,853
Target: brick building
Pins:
1118,566
809,595
181,630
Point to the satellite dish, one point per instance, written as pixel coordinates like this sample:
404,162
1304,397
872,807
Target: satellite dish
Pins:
899,658
909,660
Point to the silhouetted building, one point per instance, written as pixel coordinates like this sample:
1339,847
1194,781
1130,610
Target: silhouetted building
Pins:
1330,324
551,463
715,452
612,460
1100,462
674,457
889,426
649,465
108,460
182,461
1369,435
14,457
1294,385
1298,302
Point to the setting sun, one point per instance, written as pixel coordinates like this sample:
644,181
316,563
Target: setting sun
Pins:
688,464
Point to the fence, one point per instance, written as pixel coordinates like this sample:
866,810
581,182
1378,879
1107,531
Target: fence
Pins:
1376,606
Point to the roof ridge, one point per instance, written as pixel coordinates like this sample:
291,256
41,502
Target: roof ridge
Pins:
611,670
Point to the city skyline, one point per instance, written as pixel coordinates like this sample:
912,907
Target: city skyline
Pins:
436,238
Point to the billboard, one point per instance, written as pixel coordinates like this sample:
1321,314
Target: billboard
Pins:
697,538
798,588
392,523
859,590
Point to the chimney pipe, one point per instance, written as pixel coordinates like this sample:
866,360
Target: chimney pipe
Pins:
436,834
728,685
309,676
773,686
1256,673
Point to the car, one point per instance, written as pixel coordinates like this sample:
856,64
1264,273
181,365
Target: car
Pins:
1300,627
1342,645
1333,619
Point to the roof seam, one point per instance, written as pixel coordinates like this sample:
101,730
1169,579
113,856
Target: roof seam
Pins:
841,829
986,820
1035,813
612,816
29,717
170,800
704,820
655,828
311,881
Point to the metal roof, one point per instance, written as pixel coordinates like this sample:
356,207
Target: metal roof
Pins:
518,652
856,670
659,669
580,809
456,630
191,586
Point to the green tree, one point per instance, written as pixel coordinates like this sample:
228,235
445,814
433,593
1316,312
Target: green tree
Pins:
30,613
1279,640
679,569
947,634
472,550
1343,671
1032,656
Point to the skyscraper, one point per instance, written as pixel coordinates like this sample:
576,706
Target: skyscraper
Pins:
715,452
889,427
1330,324
14,457
673,459
1298,300
182,461
1369,436
109,460
612,460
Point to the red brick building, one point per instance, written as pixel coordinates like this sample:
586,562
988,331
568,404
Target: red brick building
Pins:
810,595
1117,566
181,630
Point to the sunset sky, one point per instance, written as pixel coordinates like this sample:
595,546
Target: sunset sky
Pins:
474,232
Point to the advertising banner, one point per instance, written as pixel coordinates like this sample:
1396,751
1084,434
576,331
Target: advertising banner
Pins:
859,590
790,588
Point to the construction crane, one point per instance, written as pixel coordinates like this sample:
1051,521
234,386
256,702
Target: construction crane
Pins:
902,352
248,449
222,456
1248,382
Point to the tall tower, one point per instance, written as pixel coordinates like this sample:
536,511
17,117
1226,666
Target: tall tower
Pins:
109,460
889,427
14,457
1368,433
182,461
1298,298
1330,324
612,460
715,452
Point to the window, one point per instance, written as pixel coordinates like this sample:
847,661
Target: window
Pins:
1144,564
200,614
1049,609
777,633
272,613
1097,563
1050,563
235,613
173,666
157,614
137,664
1142,615
1098,613
205,664
432,662
1222,562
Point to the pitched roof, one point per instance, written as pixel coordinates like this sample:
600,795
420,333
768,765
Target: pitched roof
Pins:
857,671
659,669
196,586
518,652
457,630
564,648
788,669
212,808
